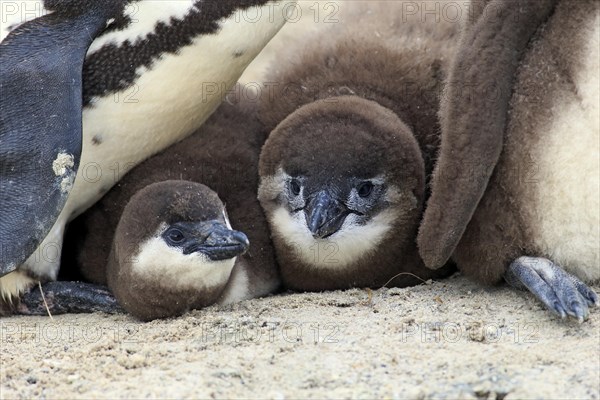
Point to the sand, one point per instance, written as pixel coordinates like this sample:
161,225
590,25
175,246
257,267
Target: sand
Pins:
449,339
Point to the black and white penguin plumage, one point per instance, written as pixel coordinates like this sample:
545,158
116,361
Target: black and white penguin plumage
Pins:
354,132
522,146
90,89
123,240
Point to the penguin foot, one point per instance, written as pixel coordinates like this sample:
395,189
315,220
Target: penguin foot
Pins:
67,297
561,292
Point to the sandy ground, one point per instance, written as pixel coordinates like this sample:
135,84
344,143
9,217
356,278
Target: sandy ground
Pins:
449,339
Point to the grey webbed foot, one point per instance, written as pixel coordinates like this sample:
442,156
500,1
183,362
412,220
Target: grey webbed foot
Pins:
68,297
561,292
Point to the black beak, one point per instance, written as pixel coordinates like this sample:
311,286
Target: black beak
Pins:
219,242
324,215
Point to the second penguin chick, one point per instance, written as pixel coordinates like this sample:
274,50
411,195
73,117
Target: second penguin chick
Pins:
223,154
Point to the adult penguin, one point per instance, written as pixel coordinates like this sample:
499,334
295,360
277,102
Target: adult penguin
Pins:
515,194
89,89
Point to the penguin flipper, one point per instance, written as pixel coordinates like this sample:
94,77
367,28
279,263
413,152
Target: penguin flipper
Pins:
561,293
473,119
40,124
68,297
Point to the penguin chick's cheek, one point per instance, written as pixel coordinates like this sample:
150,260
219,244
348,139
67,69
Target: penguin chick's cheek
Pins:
158,261
350,243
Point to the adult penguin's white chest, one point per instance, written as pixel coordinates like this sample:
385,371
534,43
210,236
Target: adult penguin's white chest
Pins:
174,89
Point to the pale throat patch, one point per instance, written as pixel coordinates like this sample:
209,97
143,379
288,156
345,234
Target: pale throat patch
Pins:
345,247
157,260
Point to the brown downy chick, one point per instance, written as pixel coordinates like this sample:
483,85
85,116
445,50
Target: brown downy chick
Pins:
230,169
173,250
354,135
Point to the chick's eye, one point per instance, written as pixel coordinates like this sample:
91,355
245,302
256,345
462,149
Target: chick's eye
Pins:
175,236
295,187
365,189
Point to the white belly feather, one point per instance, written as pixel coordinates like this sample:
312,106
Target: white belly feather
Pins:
167,103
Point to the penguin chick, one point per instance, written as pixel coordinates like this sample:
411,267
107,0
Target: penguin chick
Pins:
143,224
354,134
342,184
173,250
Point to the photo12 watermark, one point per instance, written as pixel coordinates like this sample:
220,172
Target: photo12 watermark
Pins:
270,332
453,332
50,332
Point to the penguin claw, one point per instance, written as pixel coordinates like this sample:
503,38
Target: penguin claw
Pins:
558,309
67,297
561,293
588,294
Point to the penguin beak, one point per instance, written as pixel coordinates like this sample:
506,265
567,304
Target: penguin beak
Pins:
324,215
218,242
